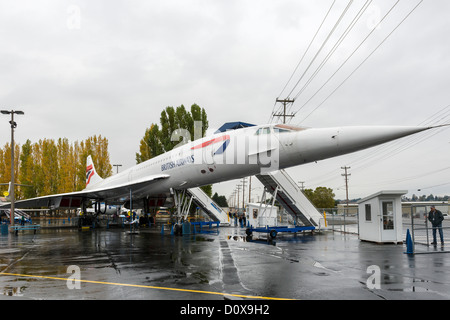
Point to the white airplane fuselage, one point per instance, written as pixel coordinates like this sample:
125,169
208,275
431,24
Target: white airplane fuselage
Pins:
248,151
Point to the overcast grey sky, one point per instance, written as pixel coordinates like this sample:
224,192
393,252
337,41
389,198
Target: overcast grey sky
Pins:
79,68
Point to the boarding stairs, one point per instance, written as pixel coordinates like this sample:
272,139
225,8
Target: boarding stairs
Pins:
291,198
18,214
208,205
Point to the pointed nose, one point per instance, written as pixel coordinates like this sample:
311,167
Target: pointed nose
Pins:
351,139
321,143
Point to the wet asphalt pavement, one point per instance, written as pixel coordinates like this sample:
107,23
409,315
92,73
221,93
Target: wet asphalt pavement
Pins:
112,264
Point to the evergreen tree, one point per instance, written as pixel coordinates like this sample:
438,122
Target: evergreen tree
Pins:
220,200
321,197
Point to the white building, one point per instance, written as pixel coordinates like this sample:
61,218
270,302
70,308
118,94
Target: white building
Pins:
380,217
261,215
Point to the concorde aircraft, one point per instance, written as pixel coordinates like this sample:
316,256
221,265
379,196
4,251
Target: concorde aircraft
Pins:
226,155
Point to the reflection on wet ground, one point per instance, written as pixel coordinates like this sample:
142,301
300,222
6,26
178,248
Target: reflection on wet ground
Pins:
116,264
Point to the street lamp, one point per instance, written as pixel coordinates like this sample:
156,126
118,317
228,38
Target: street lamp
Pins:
13,126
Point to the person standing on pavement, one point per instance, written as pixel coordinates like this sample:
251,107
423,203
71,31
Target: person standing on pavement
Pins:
436,217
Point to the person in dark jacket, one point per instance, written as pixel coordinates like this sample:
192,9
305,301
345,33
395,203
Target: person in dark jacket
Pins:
436,218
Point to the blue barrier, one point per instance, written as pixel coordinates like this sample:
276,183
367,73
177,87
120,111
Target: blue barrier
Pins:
4,228
274,230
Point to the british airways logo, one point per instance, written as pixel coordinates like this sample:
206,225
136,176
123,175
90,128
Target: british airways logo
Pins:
89,173
178,163
225,142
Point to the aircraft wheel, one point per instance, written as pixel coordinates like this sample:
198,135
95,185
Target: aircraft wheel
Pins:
273,234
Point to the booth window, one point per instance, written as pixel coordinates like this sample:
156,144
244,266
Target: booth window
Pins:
388,215
368,212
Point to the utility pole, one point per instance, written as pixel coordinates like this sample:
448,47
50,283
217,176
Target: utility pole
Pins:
12,194
346,174
303,185
284,115
250,189
243,194
238,189
117,167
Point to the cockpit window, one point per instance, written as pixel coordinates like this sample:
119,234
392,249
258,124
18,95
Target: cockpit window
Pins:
280,130
265,130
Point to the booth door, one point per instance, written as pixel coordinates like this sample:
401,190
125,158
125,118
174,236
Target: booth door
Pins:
388,221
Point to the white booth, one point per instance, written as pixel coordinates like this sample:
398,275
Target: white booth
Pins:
380,217
261,215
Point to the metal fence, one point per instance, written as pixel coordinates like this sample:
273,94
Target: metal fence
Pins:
421,229
338,220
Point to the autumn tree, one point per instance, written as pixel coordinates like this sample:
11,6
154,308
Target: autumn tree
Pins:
5,164
49,166
97,147
26,176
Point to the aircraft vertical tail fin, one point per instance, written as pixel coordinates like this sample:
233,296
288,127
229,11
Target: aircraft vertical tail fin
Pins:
91,175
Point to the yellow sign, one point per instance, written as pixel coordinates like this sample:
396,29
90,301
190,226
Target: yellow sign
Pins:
6,193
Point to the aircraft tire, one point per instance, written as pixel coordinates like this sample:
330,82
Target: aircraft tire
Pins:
273,234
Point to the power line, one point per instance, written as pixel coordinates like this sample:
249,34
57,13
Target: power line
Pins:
307,49
393,148
439,114
392,181
324,43
303,56
437,185
386,151
336,45
331,52
348,58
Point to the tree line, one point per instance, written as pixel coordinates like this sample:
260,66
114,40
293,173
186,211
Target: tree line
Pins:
430,197
57,166
53,166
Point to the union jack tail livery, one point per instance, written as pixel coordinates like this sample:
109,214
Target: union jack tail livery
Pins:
92,177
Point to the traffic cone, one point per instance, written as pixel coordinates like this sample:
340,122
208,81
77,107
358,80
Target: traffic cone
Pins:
409,243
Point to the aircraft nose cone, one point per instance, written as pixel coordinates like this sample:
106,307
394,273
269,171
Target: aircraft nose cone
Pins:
350,139
322,143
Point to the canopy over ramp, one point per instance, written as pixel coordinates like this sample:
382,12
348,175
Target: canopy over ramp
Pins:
234,126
